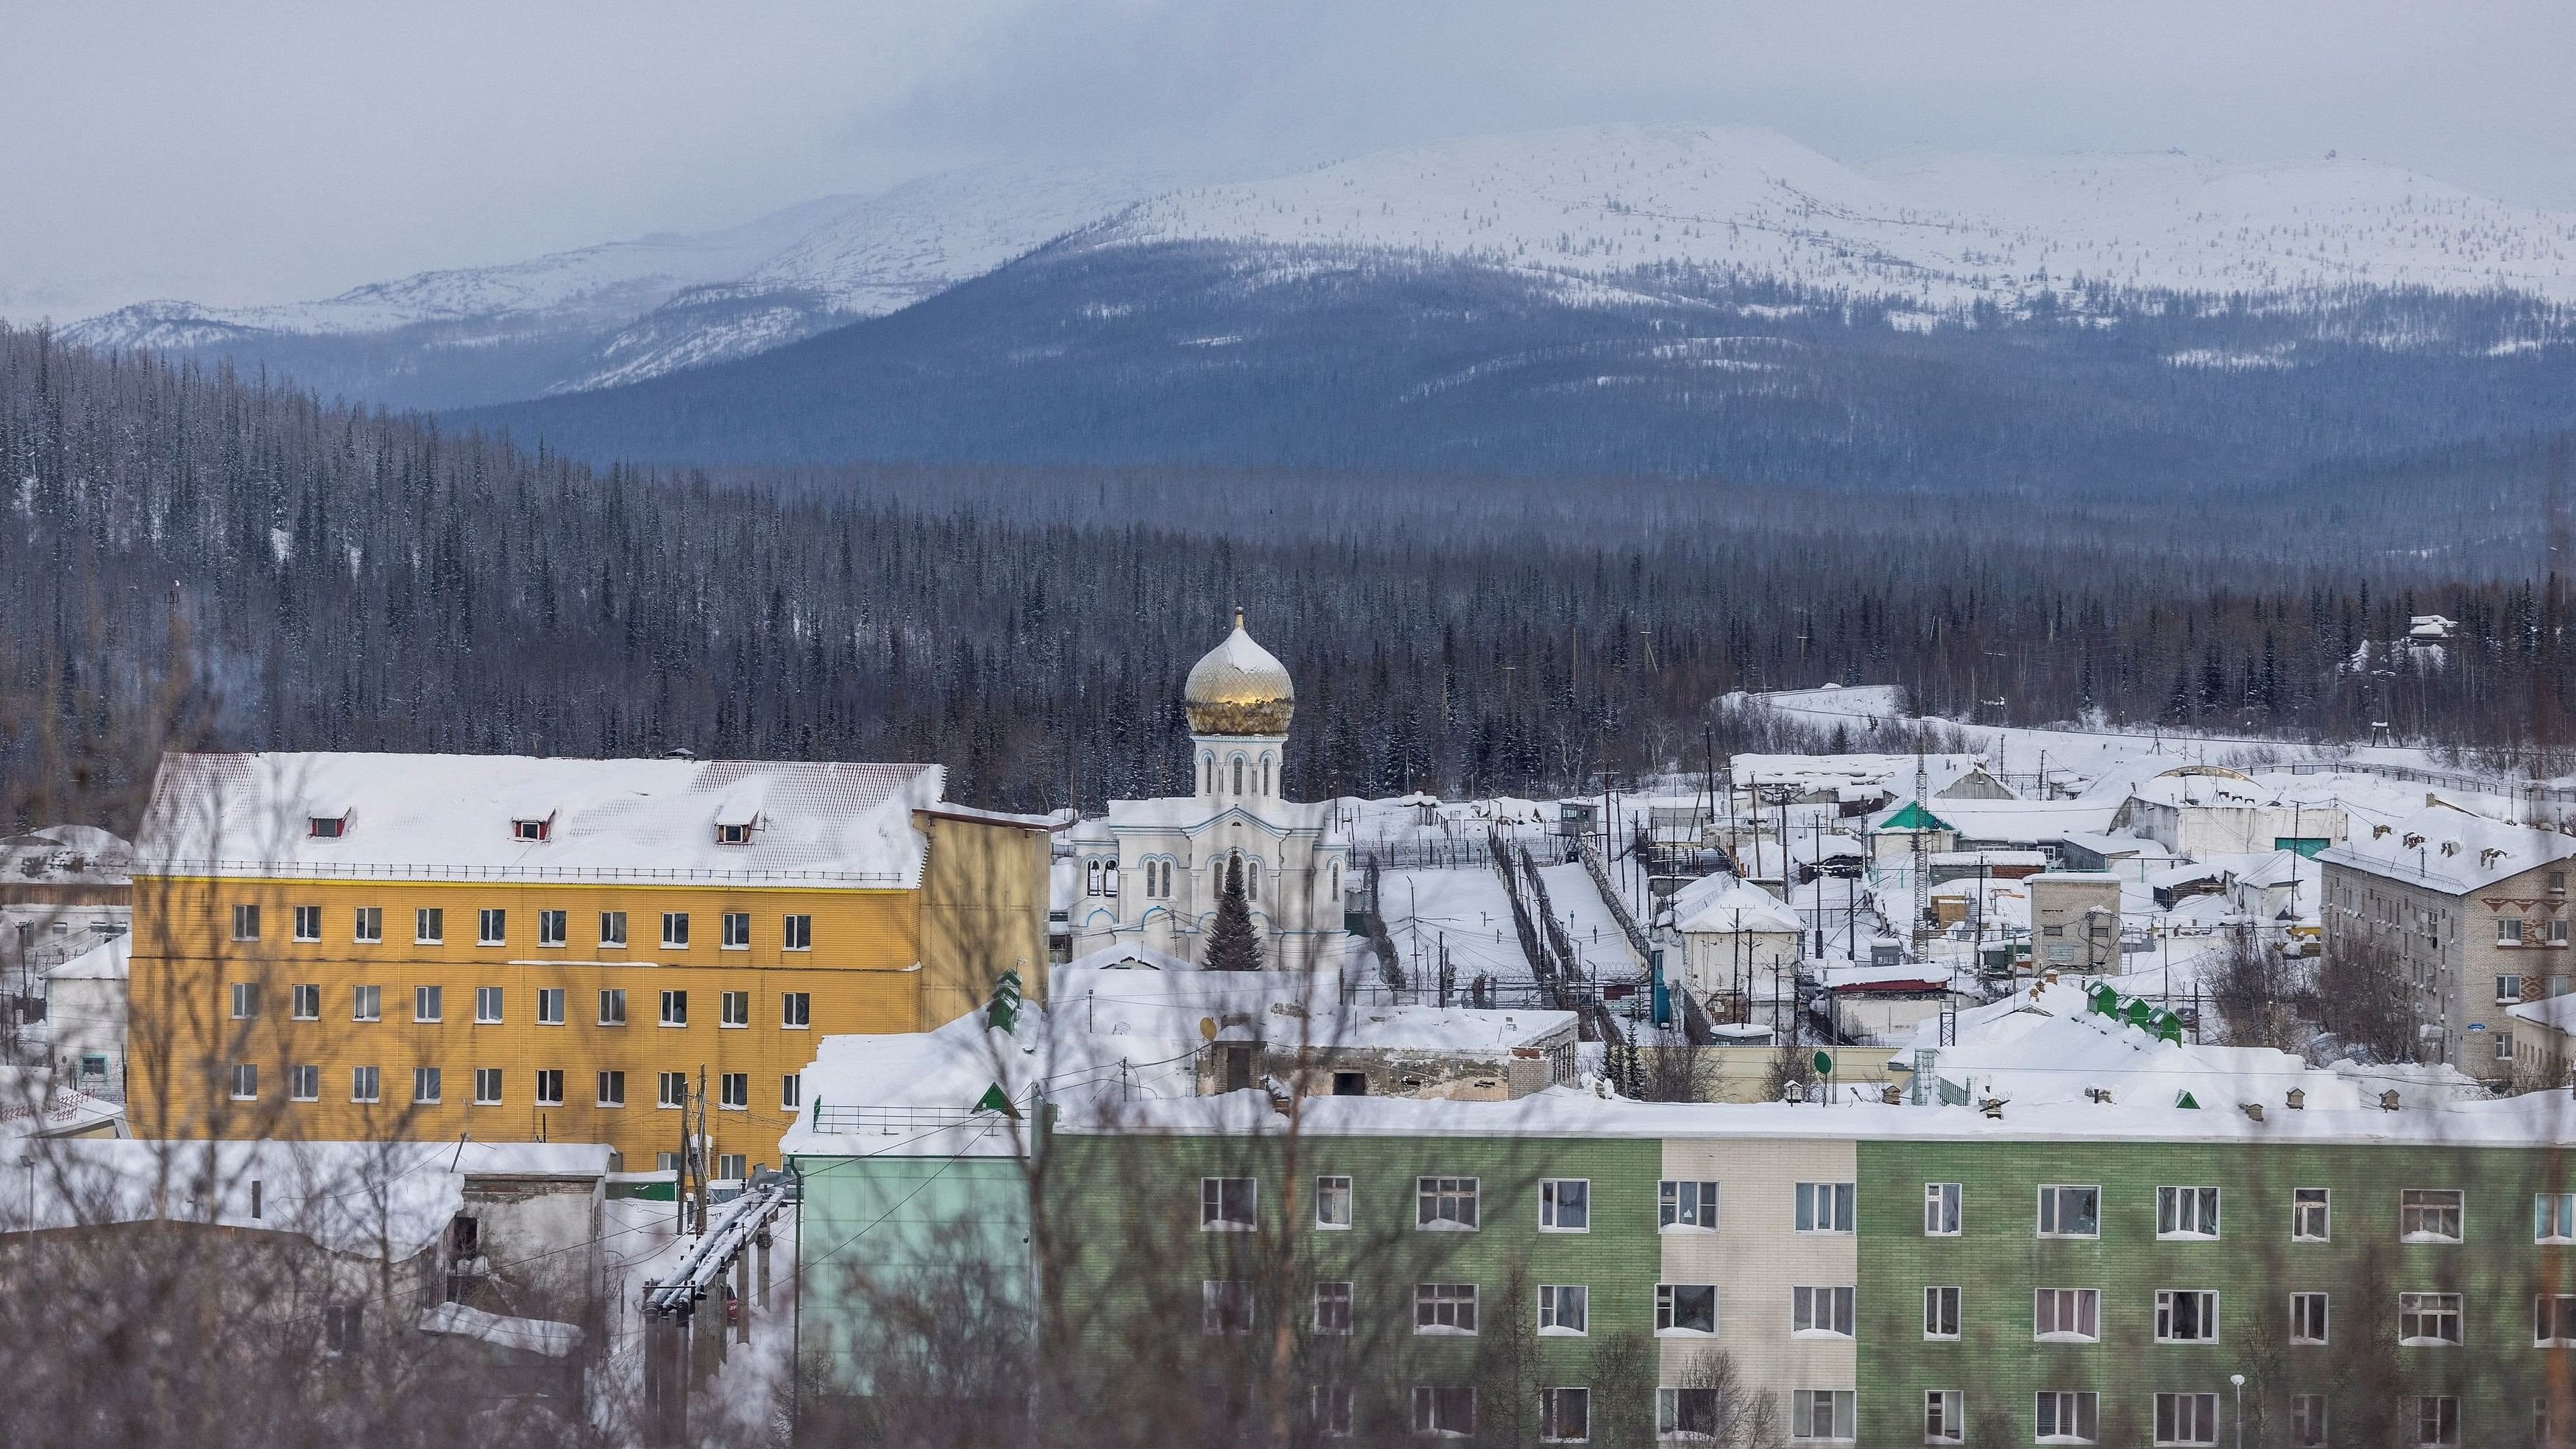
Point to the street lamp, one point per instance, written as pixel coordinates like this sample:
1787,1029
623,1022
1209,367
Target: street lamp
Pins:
2239,1381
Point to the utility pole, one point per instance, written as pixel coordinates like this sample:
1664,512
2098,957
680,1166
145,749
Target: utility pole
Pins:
1922,861
700,1175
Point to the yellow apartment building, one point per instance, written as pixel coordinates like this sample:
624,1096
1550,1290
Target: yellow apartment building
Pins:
428,947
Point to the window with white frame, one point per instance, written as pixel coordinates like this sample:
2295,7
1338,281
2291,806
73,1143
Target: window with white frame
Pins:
363,1084
1565,1416
1565,1205
736,928
2186,1419
1225,1306
733,1009
675,930
2437,1420
308,923
491,926
550,1087
1564,1309
791,1092
487,1005
305,1001
550,1006
429,926
1332,1202
2508,989
367,925
304,1083
245,1000
733,1091
487,1086
612,928
428,1003
2186,1315
2066,1315
1333,1309
2067,1416
796,932
2429,1215
1229,1204
1444,1308
2553,1217
671,1089
1945,1416
612,1089
612,1006
2428,1320
2311,1215
1446,1411
1686,1413
426,1084
796,1010
675,1008
2553,1320
2307,1318
2070,1211
2186,1212
552,927
1686,1309
1941,1312
2308,1421
1827,1414
246,923
1941,1209
1445,1204
2503,1045
1820,1312
2508,930
1336,1410
1687,1205
1824,1207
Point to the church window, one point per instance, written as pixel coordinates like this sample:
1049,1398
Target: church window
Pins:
1207,774
1092,880
1238,774
1109,879
1252,879
1265,774
1167,880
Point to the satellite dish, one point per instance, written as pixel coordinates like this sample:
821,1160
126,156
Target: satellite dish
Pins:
1207,1028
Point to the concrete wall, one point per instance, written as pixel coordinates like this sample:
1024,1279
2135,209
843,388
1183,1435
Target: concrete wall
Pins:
1756,1258
983,912
2446,946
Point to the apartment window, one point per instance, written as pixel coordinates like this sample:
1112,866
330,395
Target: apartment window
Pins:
735,834
1564,1309
1229,1204
429,926
2437,1420
1941,1312
1445,1410
366,1003
675,1008
2186,1418
2428,1320
1336,1410
1332,1202
2311,1215
530,830
2553,1217
2508,988
1940,1209
1825,1207
2067,1416
675,930
304,1083
1225,1307
791,1092
1820,1312
2186,1315
425,1084
672,1089
487,1005
795,1010
612,1089
326,827
304,1002
2070,1212
2066,1315
2307,1318
736,927
2553,1320
550,1088
369,926
733,1008
733,1091
612,1006
245,923
1445,1204
1945,1416
1333,1309
487,1086
344,1327
1687,1205
491,927
2308,1421
245,1000
2429,1215
428,1003
550,1006
363,1084
796,933
2186,1212
308,923
1686,1413
1686,1308
2503,1046
1821,1414
2508,930
612,928
1444,1308
1565,1205
1565,1416
551,928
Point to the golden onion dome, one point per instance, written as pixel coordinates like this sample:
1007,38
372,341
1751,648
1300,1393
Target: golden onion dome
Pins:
1239,688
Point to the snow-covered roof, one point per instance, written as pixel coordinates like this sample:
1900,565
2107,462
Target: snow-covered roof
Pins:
105,961
65,855
2118,847
2450,849
2027,821
452,815
1184,812
2555,1012
1831,772
1724,904
528,1335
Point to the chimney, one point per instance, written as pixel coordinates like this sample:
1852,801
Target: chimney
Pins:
2388,1100
2254,1110
2298,1099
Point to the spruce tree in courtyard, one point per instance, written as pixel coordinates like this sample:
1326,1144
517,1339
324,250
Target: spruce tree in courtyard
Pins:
1231,945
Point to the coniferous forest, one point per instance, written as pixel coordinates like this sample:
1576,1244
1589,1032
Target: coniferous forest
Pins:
222,560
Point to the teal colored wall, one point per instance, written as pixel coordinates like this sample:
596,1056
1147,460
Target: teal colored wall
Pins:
871,1226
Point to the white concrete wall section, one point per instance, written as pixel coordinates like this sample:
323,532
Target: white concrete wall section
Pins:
1758,1258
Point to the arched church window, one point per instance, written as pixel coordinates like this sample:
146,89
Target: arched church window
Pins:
1109,879
1265,774
1337,880
1092,880
1238,774
1207,774
1252,880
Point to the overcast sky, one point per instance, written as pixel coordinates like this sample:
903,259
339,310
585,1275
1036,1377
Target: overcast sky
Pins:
235,154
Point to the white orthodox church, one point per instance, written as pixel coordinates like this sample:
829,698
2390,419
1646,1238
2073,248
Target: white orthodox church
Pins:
1150,871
